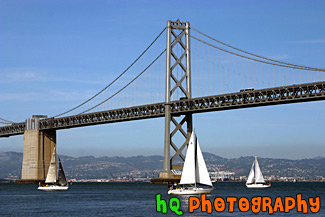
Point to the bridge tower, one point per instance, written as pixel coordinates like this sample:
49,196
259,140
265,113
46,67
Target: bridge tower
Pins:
37,152
178,78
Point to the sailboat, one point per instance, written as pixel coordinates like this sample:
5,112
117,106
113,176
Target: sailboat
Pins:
195,173
55,180
255,178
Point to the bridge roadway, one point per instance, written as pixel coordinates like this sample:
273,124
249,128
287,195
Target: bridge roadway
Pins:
255,98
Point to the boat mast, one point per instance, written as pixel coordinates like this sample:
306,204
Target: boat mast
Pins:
195,158
255,169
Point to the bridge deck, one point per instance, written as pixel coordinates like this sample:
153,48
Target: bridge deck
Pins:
254,98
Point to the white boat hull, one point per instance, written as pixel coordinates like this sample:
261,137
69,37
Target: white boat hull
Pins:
53,188
190,191
258,185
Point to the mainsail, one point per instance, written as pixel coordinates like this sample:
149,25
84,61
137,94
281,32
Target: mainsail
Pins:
62,179
52,172
255,175
259,176
195,170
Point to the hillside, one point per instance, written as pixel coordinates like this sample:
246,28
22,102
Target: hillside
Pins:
89,167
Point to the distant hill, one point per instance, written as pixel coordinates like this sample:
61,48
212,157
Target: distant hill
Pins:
10,164
89,167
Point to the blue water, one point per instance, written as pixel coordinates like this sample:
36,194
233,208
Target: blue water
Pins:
135,199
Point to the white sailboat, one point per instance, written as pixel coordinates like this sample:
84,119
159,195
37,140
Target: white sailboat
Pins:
255,178
195,174
55,180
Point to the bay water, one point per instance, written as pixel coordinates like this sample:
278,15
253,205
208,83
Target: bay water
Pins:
139,199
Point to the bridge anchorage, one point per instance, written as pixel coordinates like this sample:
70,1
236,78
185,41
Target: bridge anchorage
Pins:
226,78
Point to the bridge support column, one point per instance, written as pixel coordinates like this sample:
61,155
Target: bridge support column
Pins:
37,152
178,84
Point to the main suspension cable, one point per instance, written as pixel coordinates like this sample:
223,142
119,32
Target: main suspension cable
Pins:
258,56
115,78
253,59
8,122
126,84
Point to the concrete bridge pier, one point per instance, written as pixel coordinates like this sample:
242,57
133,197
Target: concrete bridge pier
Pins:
37,152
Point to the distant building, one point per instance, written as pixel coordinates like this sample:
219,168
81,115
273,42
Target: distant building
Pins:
219,175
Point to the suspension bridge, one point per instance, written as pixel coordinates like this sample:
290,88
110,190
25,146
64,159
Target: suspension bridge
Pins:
183,71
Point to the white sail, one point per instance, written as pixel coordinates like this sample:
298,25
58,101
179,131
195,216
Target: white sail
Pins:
251,175
258,173
194,171
52,172
202,174
62,180
188,173
255,178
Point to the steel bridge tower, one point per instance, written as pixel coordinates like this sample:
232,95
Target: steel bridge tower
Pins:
178,34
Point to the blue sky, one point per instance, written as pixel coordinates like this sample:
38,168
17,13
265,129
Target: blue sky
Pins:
56,54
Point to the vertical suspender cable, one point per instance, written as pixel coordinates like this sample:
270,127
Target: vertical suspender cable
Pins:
203,70
218,71
198,68
214,72
208,69
314,76
223,73
262,76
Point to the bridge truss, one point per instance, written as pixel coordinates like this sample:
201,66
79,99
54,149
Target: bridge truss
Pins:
256,98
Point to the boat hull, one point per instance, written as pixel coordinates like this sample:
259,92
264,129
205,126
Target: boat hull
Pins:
190,191
53,188
258,185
